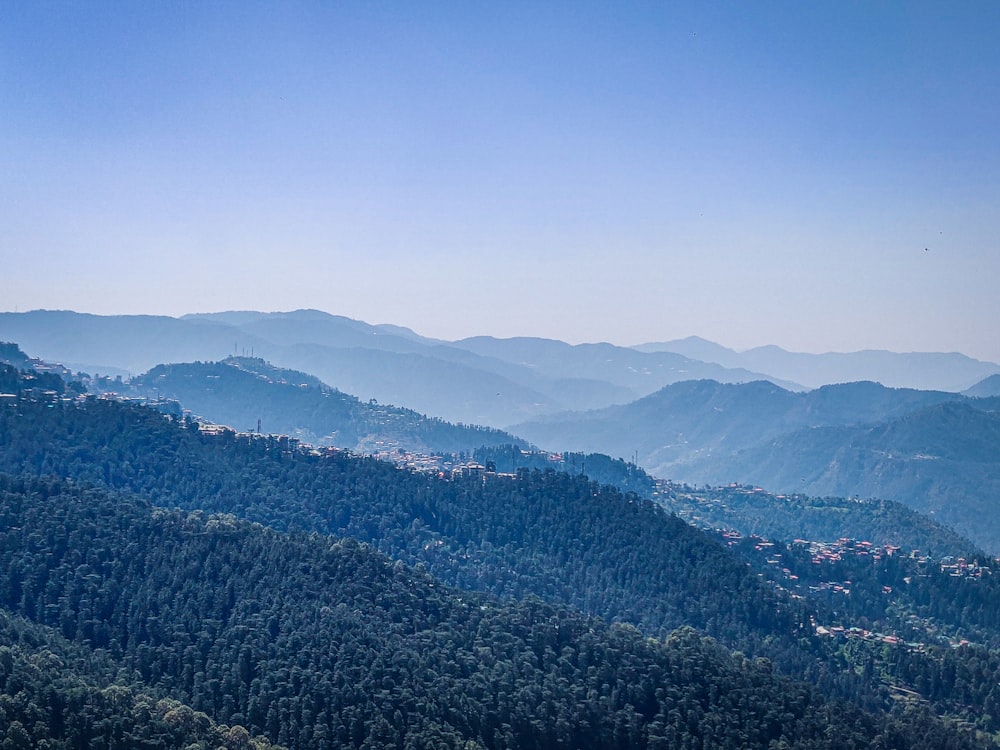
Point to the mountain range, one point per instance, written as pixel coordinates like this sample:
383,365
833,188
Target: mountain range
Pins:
934,451
480,380
248,392
319,598
388,363
923,370
658,408
191,577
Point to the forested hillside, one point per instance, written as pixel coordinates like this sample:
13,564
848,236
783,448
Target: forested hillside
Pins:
548,534
239,391
320,643
12,355
62,695
557,537
13,382
704,420
925,625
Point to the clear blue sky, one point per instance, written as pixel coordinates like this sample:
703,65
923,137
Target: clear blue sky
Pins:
818,175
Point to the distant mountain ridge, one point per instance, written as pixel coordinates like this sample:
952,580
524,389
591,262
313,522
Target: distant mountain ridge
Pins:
923,370
985,388
694,418
935,451
942,460
481,381
584,398
557,375
642,374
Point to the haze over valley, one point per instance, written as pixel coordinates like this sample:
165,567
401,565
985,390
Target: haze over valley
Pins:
379,388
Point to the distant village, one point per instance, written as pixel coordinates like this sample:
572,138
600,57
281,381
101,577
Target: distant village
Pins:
825,553
445,467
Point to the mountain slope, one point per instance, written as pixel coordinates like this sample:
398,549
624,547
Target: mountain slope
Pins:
133,343
985,388
752,510
933,451
316,326
640,372
543,533
449,390
943,460
322,643
239,391
59,695
696,419
303,329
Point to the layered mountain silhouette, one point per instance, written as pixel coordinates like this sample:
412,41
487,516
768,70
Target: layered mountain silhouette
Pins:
681,417
478,381
924,370
934,451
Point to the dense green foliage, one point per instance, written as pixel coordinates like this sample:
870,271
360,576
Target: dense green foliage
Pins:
62,696
908,596
11,354
753,510
914,595
321,644
239,391
550,535
13,381
556,536
927,626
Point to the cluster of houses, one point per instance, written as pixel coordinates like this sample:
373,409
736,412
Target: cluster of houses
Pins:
825,552
839,631
445,467
40,395
961,568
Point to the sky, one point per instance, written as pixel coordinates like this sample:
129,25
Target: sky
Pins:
823,176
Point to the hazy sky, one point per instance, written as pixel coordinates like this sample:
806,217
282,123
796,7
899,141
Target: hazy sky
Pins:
822,176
